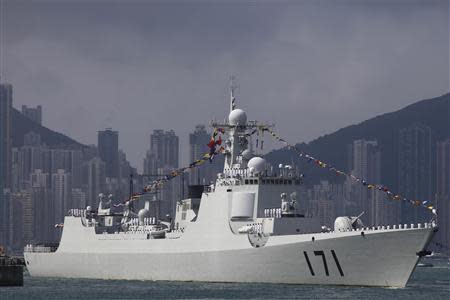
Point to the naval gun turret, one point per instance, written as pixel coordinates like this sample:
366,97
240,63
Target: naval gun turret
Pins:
348,223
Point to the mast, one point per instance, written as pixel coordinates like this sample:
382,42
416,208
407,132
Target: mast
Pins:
238,132
232,97
237,123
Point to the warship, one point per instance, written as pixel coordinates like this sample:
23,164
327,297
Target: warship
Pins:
247,226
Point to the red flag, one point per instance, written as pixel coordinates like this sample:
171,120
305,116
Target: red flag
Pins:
211,143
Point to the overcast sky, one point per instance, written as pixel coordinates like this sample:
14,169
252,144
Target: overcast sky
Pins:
310,67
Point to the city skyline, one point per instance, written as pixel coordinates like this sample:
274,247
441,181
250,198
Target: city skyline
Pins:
183,152
155,65
50,180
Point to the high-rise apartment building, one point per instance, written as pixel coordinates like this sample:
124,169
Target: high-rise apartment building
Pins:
5,156
108,150
150,163
34,155
365,163
32,139
39,179
62,194
34,114
414,170
160,160
21,220
43,211
43,208
5,134
325,198
95,176
205,173
27,216
168,195
443,194
165,147
78,198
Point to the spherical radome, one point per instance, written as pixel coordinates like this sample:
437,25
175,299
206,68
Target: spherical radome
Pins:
258,164
237,117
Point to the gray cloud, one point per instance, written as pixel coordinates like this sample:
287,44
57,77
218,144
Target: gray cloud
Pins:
309,66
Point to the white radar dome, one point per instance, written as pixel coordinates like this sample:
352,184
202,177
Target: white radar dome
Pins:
237,117
257,164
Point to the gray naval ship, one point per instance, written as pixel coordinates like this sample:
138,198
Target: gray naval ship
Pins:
248,226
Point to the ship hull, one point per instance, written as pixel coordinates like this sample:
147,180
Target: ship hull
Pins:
375,258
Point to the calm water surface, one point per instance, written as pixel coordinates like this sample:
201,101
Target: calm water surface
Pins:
427,283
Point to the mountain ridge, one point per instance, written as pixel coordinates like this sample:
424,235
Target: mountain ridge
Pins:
23,125
384,128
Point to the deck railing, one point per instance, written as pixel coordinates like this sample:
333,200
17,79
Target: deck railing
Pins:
41,248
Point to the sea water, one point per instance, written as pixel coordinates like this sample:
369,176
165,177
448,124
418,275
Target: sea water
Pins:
426,283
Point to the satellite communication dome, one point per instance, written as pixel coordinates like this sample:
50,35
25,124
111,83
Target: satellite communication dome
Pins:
258,164
247,155
237,117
